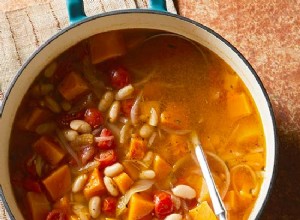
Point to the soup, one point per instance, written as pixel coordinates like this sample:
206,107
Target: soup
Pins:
104,132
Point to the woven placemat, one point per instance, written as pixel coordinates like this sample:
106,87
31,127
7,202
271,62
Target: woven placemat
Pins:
22,31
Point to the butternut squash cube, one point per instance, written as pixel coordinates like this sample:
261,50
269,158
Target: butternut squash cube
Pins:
137,148
139,206
48,150
231,82
63,203
72,86
123,181
238,106
105,46
161,167
202,212
34,118
58,183
95,185
248,134
38,205
131,169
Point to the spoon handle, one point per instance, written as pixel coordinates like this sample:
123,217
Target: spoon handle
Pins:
217,203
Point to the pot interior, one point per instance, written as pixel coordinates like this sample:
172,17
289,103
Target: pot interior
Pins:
131,20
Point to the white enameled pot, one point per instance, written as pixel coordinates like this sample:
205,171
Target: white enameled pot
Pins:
83,28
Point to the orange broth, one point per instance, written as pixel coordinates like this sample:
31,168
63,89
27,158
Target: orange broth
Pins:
136,95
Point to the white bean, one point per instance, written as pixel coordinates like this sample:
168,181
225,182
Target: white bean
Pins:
148,159
79,183
70,134
114,111
111,186
153,119
95,206
146,131
106,101
50,69
147,175
152,139
184,191
113,170
80,126
125,92
174,217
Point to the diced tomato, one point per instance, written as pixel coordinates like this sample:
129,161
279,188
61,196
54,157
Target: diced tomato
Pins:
94,117
119,77
106,144
57,214
126,106
32,185
163,204
64,120
191,203
109,205
107,158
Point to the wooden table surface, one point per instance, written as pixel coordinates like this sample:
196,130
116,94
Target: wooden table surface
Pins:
267,33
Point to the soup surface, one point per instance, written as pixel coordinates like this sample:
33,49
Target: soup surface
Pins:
105,133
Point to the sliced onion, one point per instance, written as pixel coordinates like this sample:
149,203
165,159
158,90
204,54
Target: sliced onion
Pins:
151,139
137,163
139,186
185,209
97,131
125,132
114,129
143,81
87,153
106,138
89,166
89,73
217,166
134,113
173,131
63,142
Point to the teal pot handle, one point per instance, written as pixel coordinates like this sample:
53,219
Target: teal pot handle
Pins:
76,9
158,5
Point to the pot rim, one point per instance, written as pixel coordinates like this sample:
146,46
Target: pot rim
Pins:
176,16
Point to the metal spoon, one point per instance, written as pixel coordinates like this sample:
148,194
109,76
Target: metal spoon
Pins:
218,206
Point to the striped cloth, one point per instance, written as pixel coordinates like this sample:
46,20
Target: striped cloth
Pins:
23,30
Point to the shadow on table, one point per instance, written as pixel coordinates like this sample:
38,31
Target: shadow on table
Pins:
284,201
